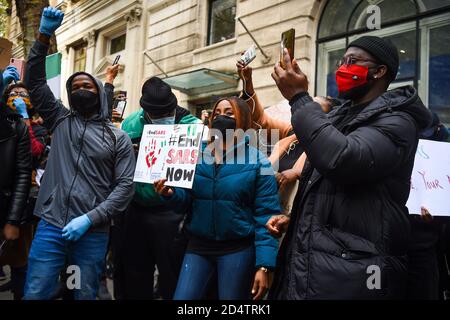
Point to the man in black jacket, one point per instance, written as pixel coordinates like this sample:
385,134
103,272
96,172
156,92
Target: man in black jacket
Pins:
349,231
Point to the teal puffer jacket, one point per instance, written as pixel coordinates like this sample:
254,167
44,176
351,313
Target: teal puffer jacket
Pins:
233,200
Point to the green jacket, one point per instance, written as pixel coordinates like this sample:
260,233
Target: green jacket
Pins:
133,125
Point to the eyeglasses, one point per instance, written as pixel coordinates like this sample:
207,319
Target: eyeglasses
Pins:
351,60
18,94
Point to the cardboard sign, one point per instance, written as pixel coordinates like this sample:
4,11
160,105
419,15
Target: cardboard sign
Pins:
430,180
5,53
171,152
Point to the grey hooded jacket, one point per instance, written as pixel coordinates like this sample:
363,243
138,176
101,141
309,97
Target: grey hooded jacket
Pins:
91,164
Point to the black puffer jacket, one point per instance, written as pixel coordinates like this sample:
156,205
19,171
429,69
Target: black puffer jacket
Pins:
350,213
15,167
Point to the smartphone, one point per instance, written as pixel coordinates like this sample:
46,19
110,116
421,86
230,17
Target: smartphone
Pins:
249,55
20,65
116,60
121,104
288,42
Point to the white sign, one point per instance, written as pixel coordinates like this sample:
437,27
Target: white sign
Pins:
171,152
430,180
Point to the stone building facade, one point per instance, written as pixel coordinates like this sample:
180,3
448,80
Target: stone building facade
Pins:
179,37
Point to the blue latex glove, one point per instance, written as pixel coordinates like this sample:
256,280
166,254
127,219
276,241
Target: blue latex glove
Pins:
77,228
9,75
21,107
50,21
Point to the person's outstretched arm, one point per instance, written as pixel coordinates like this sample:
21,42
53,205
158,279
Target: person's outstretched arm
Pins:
41,96
260,118
111,74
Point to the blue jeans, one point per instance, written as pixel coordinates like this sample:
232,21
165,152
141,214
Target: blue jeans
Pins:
235,274
49,254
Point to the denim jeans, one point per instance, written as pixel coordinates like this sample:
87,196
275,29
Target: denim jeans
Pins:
50,253
235,274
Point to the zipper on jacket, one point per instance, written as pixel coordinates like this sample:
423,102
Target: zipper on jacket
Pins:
76,173
213,198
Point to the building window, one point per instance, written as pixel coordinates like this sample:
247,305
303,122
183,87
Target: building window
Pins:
221,20
422,41
117,44
439,73
80,58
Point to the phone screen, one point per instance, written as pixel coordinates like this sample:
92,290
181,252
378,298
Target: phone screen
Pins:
288,42
249,55
121,107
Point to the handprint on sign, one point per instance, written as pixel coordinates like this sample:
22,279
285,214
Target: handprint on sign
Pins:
151,155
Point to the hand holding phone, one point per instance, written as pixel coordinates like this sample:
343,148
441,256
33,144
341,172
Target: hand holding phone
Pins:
20,66
249,55
120,105
287,42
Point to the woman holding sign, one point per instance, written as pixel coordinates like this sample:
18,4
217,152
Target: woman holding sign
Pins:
233,196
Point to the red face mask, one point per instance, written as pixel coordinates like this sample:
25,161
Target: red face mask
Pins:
351,76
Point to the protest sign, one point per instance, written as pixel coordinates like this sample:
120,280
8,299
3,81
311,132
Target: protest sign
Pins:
171,152
430,180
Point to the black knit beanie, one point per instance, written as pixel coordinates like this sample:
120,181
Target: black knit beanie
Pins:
157,97
382,49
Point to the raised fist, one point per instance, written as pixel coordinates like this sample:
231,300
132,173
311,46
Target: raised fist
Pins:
50,21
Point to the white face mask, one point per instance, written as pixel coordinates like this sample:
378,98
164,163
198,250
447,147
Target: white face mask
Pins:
165,120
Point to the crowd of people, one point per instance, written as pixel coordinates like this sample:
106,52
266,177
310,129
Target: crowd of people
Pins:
306,220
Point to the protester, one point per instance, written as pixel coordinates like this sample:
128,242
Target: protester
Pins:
230,201
151,226
88,177
423,268
17,99
349,217
15,180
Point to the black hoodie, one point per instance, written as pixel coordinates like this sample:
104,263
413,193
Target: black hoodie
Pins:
91,163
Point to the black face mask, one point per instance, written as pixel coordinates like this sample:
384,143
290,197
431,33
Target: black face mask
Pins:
222,123
84,102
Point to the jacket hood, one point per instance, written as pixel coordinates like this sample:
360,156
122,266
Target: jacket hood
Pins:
103,114
403,99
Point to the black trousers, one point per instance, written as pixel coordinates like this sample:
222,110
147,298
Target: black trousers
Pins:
423,275
148,237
